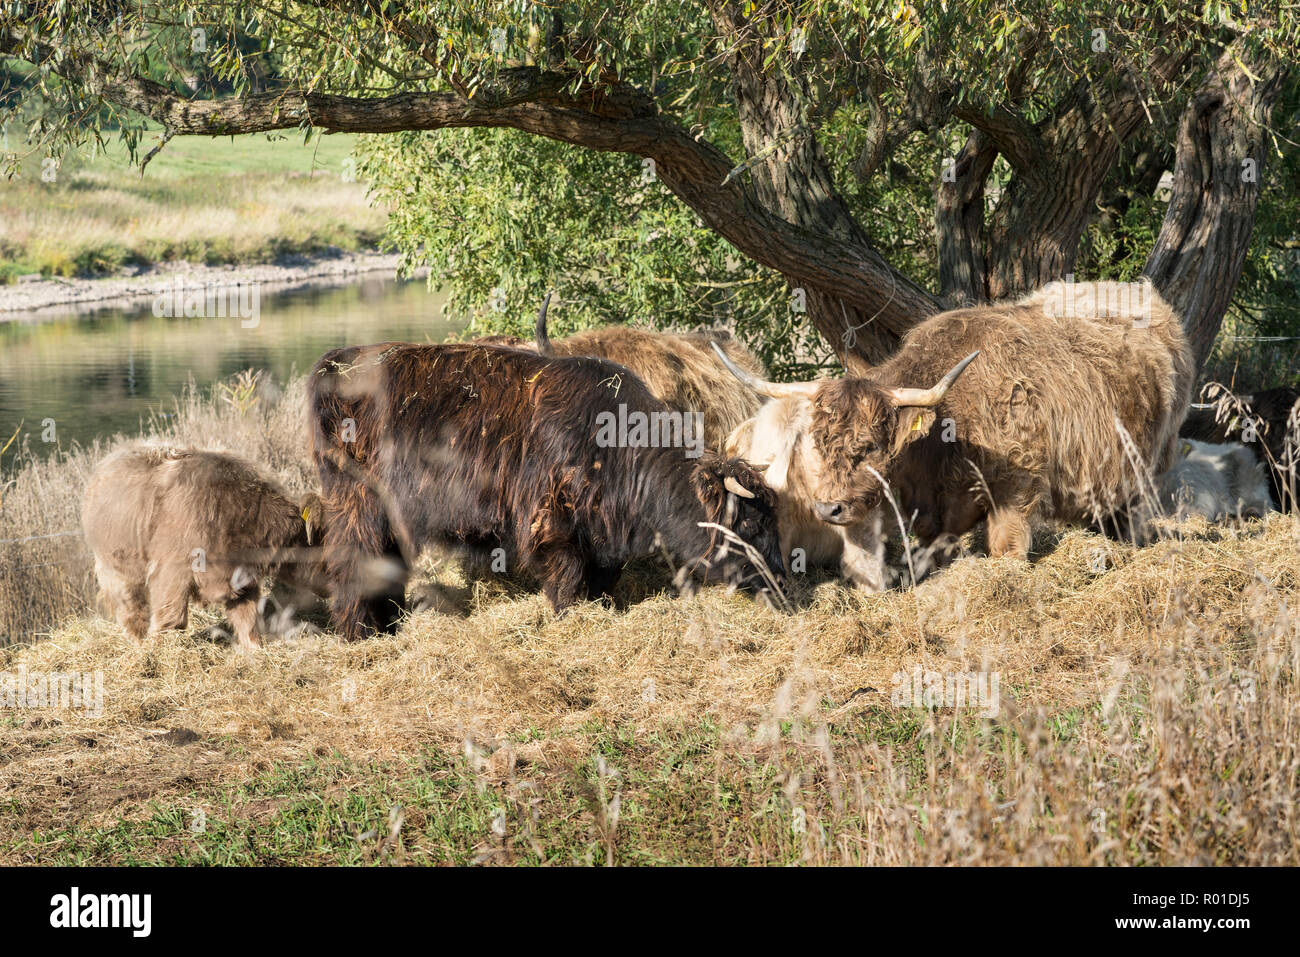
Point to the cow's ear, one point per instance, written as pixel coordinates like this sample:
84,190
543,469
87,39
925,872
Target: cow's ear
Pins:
914,422
709,490
312,510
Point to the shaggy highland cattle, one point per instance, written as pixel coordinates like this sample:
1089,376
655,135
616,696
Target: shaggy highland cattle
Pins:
1214,482
773,441
677,368
1267,423
1030,432
169,526
558,466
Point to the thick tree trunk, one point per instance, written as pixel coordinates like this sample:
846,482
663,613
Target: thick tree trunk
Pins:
792,179
1039,221
959,222
1035,236
1218,175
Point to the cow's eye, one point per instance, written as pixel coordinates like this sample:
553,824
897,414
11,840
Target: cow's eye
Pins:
869,449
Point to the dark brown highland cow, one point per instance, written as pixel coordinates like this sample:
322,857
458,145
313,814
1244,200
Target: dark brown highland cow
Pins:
480,448
169,526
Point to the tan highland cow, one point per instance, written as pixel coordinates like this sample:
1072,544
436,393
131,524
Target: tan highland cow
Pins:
1056,407
169,526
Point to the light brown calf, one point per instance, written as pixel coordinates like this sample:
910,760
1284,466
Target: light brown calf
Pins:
168,526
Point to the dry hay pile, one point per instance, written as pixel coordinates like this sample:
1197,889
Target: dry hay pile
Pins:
183,709
1150,692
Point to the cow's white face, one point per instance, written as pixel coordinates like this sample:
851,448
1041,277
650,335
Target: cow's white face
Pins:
857,428
779,440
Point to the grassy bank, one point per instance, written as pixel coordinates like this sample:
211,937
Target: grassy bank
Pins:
244,199
1147,713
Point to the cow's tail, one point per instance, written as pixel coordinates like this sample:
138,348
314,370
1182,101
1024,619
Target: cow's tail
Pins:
544,346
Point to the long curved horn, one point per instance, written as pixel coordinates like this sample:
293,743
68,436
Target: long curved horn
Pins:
934,395
777,390
731,485
543,341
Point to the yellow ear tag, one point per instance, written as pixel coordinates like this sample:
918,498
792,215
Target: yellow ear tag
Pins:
1187,449
306,520
916,423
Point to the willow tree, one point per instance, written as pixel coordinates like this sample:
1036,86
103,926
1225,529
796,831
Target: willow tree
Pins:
772,124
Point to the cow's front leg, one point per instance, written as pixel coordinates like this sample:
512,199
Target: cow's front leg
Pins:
132,612
170,589
127,601
367,572
372,599
1009,533
241,612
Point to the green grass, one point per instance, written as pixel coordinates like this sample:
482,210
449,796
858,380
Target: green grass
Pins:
245,199
678,795
188,156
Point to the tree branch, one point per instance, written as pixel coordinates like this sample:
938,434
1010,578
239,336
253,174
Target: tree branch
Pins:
794,182
959,222
616,117
1035,230
1014,136
1199,255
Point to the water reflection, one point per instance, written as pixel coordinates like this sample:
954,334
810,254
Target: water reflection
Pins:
97,375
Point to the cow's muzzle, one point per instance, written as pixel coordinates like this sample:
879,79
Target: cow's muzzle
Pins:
836,513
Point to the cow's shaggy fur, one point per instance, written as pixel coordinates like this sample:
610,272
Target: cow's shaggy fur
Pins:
1030,431
168,526
484,448
678,368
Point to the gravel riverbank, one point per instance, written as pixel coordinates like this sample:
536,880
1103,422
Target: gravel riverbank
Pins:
41,298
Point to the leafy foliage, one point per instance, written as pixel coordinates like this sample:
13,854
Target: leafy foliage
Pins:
502,218
888,88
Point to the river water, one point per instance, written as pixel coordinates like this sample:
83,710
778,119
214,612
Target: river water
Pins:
99,374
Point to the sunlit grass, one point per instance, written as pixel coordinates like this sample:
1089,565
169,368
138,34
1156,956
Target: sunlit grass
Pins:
214,201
